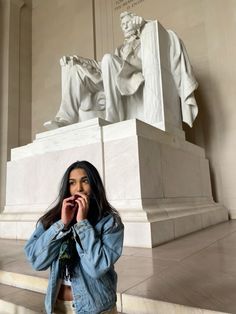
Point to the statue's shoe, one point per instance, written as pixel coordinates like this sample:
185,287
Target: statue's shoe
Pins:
55,124
100,101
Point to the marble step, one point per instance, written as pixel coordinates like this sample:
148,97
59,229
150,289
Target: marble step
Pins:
34,284
188,275
31,283
19,288
137,305
20,301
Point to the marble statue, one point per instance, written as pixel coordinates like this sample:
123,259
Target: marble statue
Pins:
114,88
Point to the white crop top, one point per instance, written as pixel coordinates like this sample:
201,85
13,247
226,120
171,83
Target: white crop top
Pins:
65,281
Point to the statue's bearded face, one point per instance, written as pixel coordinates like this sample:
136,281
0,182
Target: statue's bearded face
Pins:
127,25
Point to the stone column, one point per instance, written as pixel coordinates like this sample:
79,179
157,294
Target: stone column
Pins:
104,32
9,84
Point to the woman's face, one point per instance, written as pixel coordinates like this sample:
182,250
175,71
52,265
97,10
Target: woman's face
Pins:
78,182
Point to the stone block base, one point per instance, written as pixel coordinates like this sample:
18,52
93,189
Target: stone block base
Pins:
159,182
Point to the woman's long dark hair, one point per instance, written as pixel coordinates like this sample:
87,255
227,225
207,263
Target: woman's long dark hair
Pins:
99,205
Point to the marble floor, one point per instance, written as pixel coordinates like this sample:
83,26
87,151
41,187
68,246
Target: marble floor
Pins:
197,271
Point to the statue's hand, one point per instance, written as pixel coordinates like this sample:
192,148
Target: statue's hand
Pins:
80,60
138,22
70,60
65,60
90,64
76,59
87,63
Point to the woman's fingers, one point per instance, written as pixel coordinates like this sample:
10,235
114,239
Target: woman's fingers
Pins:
69,201
77,204
82,209
82,203
68,208
83,197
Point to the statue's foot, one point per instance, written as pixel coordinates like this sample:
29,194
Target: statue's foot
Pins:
100,101
51,125
55,124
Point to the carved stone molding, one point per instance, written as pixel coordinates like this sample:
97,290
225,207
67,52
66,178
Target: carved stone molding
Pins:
7,3
18,3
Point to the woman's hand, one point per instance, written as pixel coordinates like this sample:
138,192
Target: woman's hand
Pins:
68,211
82,201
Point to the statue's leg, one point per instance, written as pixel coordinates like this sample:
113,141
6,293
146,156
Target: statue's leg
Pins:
76,93
111,66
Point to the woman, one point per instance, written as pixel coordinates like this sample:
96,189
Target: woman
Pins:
80,239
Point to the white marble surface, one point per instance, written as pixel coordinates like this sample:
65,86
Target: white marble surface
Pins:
24,281
121,160
11,307
12,228
181,173
159,182
141,129
38,177
75,135
134,305
151,169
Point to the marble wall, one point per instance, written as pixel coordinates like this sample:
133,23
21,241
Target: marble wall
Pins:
59,28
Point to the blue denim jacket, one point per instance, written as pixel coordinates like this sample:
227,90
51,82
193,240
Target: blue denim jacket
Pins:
94,282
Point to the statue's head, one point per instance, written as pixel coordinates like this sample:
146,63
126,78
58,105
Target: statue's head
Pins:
128,25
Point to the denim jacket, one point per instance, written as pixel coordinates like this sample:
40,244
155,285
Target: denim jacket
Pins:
94,281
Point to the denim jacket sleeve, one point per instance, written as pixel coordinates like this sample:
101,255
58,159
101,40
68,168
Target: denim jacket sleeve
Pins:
43,246
98,252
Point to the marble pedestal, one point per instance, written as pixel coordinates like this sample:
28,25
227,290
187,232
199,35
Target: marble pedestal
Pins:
159,182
